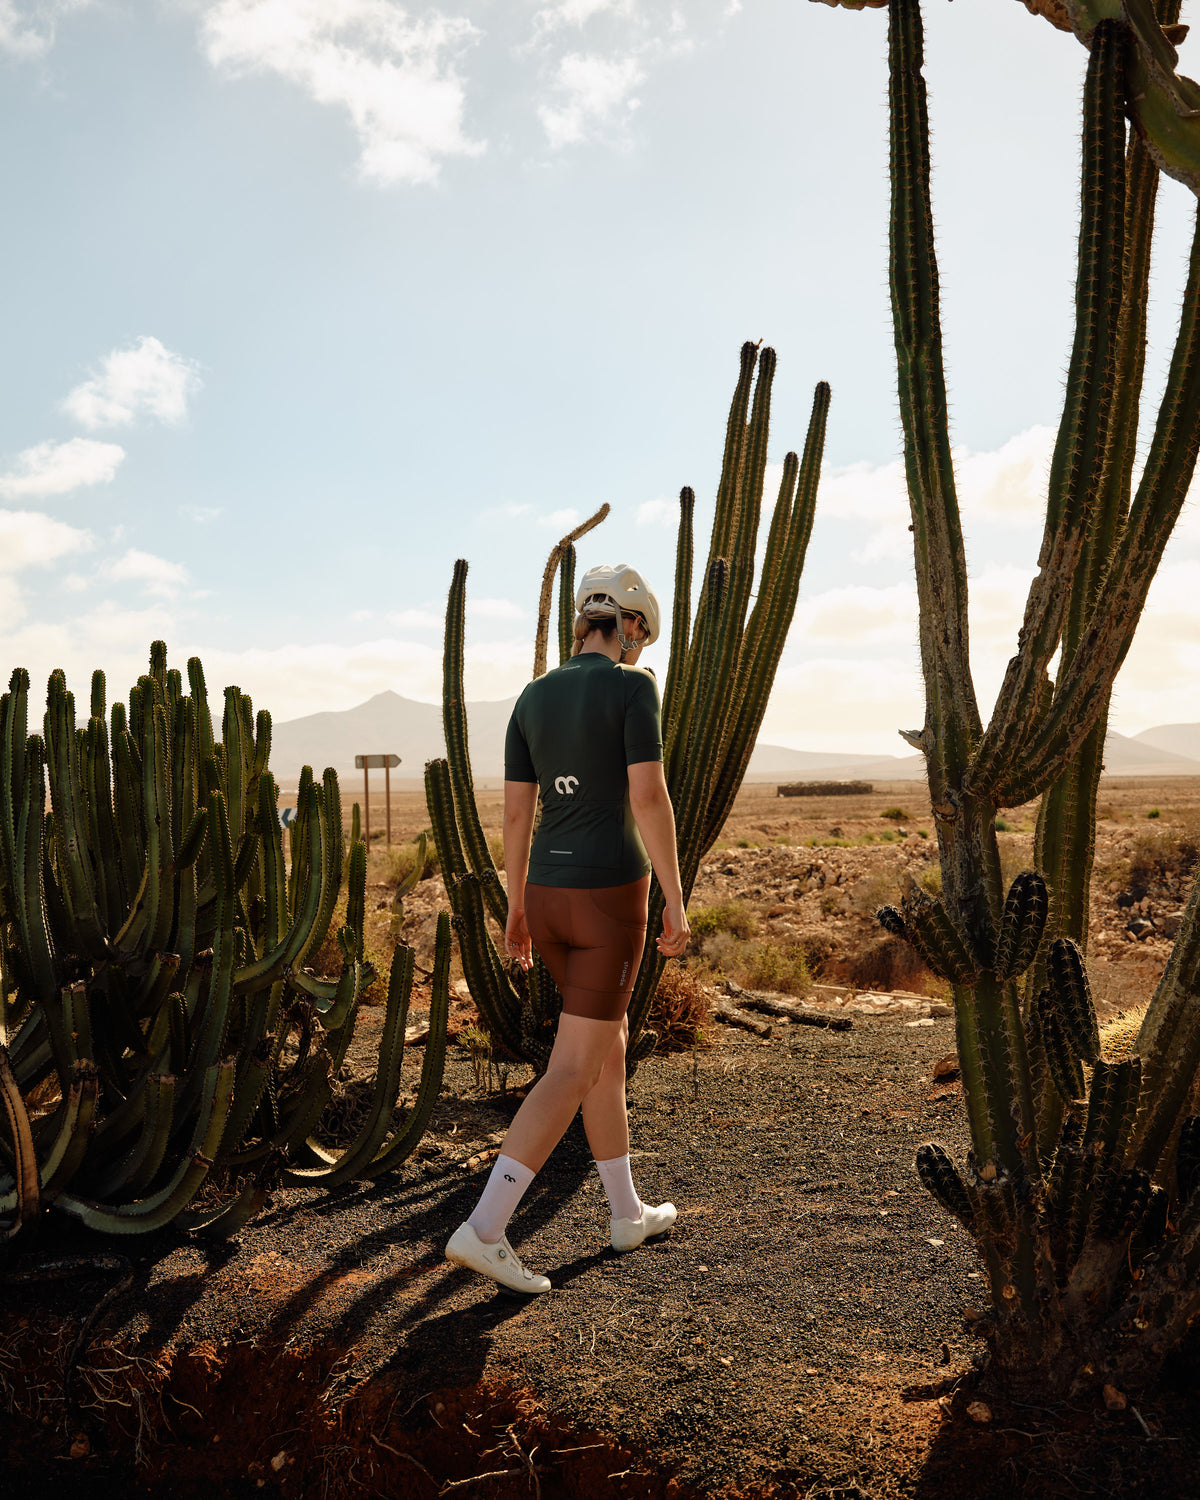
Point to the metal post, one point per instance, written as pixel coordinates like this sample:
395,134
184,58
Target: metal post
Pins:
367,802
387,794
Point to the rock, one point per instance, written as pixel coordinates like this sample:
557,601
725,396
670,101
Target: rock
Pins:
1171,924
940,1008
1114,1399
980,1412
946,1067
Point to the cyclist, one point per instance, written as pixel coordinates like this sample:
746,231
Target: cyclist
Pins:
587,737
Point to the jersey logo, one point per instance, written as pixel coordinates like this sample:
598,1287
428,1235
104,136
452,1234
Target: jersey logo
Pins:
566,785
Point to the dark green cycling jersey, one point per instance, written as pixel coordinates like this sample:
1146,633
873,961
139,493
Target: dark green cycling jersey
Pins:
574,731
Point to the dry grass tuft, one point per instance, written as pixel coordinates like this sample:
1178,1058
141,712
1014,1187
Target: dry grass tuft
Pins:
679,1009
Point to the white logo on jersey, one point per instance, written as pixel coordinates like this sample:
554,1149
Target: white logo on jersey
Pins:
566,785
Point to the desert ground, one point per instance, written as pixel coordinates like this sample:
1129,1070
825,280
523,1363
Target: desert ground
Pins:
799,1334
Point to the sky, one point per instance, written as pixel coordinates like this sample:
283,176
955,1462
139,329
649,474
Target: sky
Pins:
305,299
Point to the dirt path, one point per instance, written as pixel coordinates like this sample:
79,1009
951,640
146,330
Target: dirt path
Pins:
792,1337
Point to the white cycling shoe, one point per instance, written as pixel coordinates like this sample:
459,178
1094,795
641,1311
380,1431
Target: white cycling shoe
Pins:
628,1234
499,1261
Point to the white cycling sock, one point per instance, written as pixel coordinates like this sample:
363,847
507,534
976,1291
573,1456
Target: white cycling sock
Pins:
498,1203
617,1178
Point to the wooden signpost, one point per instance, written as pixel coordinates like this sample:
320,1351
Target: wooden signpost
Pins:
365,762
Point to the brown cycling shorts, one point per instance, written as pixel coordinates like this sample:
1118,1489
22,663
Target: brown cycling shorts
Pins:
591,941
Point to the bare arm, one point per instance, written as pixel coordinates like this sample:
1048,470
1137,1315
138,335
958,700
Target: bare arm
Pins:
650,803
520,804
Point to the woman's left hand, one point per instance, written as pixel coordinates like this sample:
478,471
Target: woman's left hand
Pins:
517,941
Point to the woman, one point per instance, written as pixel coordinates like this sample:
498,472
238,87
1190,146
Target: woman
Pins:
588,737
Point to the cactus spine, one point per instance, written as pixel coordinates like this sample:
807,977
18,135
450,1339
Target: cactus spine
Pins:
1088,1273
719,678
152,951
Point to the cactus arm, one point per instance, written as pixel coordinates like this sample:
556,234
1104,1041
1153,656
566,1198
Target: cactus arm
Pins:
952,717
681,616
65,1155
27,1192
1078,461
70,819
552,562
727,512
161,1207
1084,689
361,1151
767,629
126,780
31,901
566,603
1169,1043
405,1141
232,1215
136,1169
14,710
458,755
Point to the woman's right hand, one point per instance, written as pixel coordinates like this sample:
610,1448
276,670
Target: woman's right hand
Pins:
517,941
675,931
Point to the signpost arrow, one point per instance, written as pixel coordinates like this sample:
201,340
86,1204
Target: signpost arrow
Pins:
365,764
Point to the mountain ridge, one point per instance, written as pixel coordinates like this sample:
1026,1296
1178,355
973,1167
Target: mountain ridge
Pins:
390,723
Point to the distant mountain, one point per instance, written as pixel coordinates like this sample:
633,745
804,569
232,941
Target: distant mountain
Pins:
778,760
387,724
1176,739
1138,756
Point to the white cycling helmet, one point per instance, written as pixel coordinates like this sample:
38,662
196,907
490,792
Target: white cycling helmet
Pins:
619,590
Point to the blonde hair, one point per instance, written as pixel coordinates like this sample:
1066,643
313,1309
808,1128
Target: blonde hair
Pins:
605,624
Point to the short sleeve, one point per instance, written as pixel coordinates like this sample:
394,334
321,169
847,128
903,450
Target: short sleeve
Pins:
518,763
643,721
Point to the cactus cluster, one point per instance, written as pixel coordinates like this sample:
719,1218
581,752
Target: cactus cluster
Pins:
157,1020
719,677
1080,1185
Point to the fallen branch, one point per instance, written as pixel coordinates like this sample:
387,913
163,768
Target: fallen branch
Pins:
735,1017
789,1010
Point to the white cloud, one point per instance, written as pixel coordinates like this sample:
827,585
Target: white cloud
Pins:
202,514
856,706
495,609
1008,484
415,619
594,96
1005,488
58,468
29,539
858,613
28,30
155,574
146,378
561,520
579,12
658,513
395,75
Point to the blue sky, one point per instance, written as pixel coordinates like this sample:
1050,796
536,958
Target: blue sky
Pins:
306,298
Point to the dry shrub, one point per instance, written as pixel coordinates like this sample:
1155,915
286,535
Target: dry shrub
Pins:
885,963
732,917
679,1009
782,967
873,891
400,859
1162,854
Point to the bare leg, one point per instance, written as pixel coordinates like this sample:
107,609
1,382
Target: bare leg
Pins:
604,1118
581,1051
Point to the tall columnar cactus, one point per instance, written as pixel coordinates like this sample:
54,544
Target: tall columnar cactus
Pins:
152,964
719,677
1075,1163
